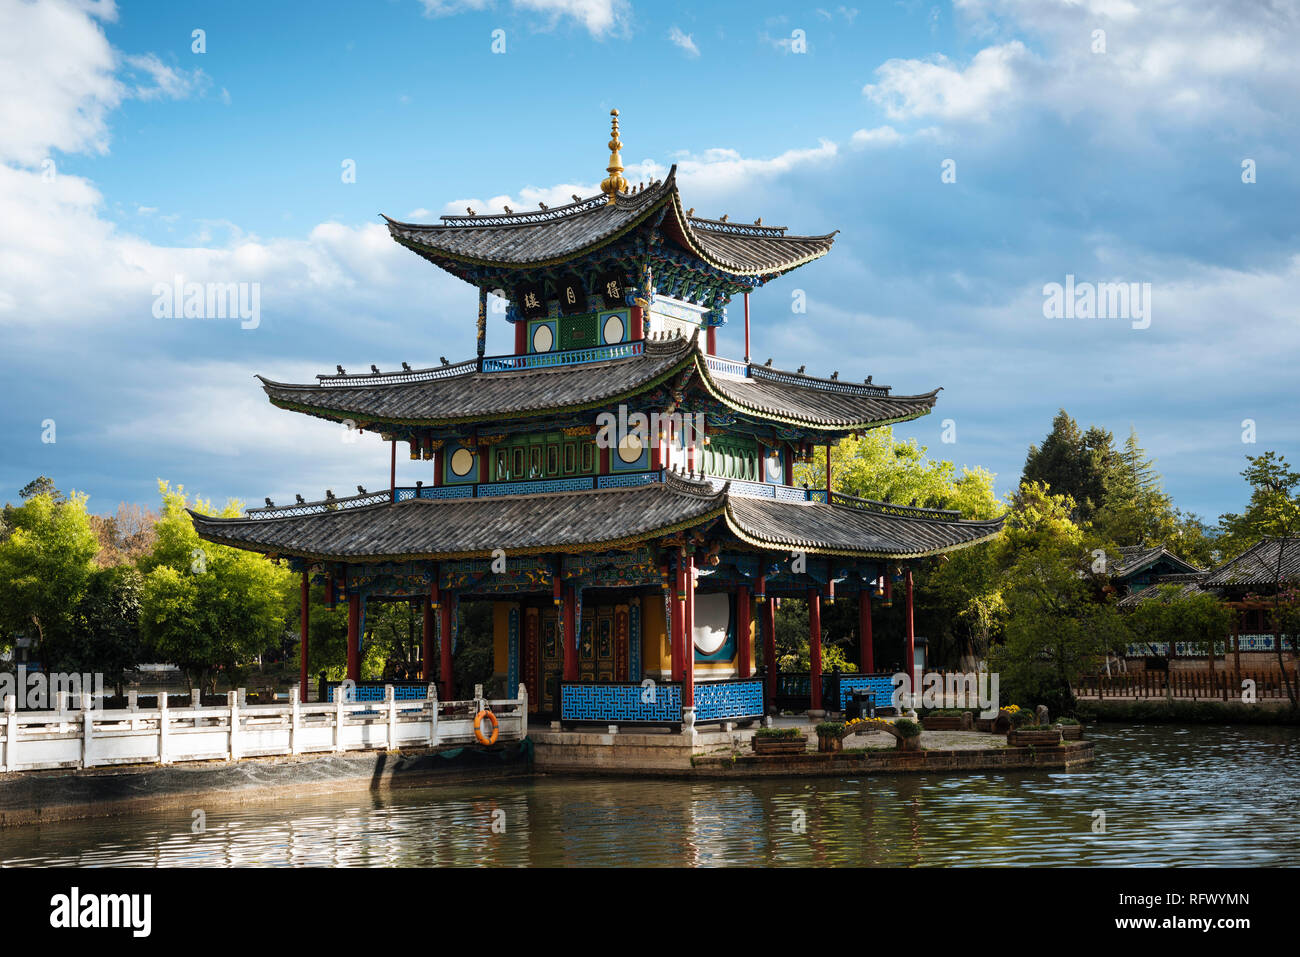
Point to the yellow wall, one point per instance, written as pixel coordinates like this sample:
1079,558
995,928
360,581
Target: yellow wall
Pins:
654,635
501,637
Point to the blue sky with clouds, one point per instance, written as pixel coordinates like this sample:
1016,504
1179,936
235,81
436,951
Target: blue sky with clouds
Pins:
127,159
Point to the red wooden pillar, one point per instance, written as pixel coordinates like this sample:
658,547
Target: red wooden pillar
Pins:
744,665
444,650
638,329
867,651
302,647
521,337
815,646
392,473
746,327
354,637
688,636
769,648
910,632
677,610
570,634
828,473
711,340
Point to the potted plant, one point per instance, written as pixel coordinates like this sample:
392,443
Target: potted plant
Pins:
1071,729
779,741
943,719
1038,736
830,736
908,733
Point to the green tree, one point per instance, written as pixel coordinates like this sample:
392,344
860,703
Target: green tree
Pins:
105,636
1059,623
1071,462
46,562
208,608
1200,620
877,466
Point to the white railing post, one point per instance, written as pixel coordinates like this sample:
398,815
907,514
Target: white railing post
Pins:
87,732
232,699
431,703
163,720
295,718
11,733
390,699
61,706
338,717
523,711
133,701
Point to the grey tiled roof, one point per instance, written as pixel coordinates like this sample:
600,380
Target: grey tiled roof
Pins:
1190,583
467,395
789,396
536,238
852,530
473,527
1258,565
581,520
1133,558
460,394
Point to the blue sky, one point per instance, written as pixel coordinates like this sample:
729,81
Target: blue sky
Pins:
127,158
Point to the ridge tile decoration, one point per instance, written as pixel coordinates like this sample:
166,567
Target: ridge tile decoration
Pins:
587,548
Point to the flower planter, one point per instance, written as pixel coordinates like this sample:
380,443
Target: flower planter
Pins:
829,744
1035,739
941,723
765,745
1072,732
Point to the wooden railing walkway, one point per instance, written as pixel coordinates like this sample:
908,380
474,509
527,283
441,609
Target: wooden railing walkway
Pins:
1186,685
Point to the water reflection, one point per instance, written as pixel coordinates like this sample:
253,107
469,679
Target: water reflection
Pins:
1171,796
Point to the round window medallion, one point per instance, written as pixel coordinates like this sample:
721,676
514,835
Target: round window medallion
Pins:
613,330
629,450
712,617
543,339
462,460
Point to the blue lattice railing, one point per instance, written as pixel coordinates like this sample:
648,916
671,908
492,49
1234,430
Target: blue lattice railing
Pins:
543,360
728,700
626,702
621,702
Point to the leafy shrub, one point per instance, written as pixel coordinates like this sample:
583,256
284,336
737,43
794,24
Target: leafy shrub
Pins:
907,727
778,733
1020,719
831,729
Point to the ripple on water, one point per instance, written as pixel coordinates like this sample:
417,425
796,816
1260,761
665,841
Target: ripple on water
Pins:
1171,796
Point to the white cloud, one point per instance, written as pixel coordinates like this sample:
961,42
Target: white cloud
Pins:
58,83
165,82
683,41
1187,62
601,18
880,136
909,89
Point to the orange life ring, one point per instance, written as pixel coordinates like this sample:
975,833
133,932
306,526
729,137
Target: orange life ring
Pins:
478,720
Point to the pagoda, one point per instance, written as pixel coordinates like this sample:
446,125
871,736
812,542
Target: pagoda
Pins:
619,492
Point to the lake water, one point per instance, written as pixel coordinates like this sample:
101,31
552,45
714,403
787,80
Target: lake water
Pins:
1171,796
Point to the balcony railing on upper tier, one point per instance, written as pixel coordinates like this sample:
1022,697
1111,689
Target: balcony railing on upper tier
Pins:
604,353
783,493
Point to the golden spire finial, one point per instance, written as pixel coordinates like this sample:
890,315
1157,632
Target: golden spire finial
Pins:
614,183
